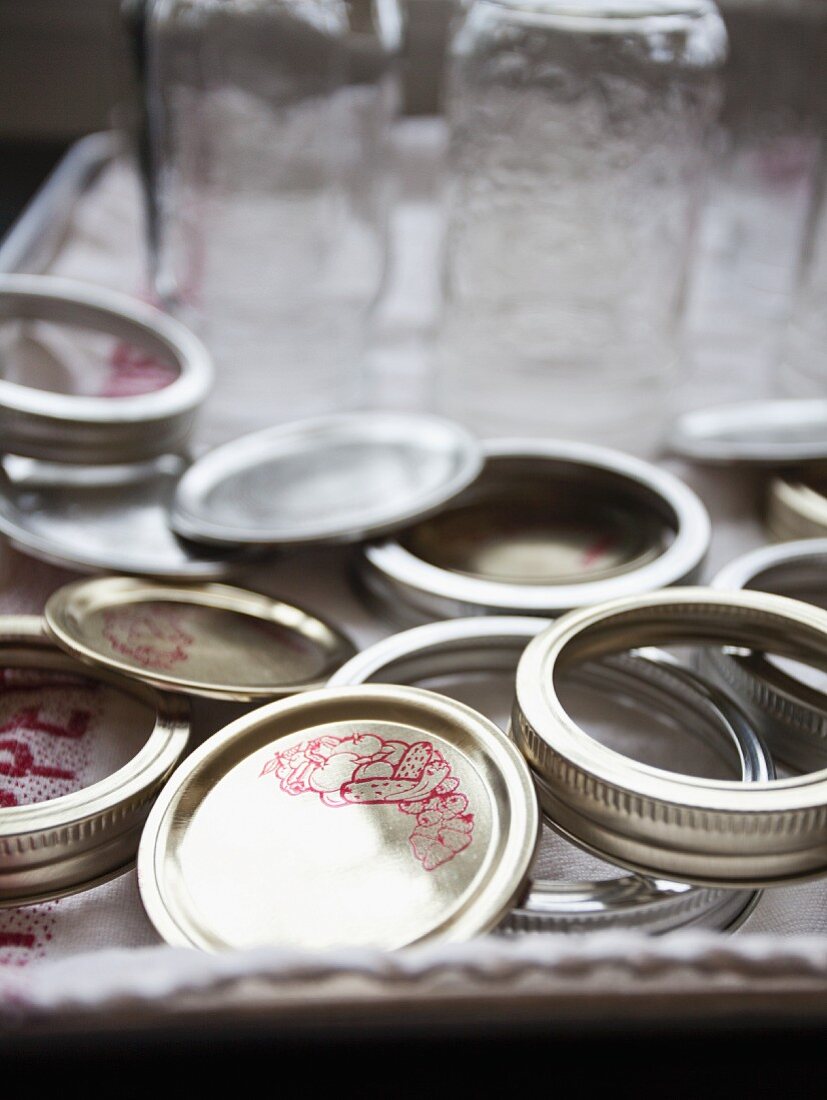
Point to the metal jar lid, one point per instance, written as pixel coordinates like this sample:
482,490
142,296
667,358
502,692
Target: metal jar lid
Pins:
103,519
63,427
81,838
757,433
461,646
797,505
331,479
548,526
373,816
712,832
210,640
790,714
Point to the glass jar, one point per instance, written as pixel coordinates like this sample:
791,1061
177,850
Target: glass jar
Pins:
578,141
756,219
268,120
804,362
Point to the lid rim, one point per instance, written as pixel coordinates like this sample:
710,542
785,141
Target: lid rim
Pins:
190,521
678,563
627,802
31,416
63,607
505,878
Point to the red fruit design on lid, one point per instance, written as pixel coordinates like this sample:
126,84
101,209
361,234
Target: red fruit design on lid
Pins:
366,769
153,636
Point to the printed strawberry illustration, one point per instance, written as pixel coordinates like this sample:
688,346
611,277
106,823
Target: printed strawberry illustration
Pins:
436,844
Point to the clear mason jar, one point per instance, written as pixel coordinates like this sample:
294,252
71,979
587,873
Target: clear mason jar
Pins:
804,357
268,122
578,143
756,220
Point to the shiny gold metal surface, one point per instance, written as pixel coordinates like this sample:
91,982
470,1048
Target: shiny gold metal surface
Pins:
210,640
59,845
365,816
532,539
712,832
547,526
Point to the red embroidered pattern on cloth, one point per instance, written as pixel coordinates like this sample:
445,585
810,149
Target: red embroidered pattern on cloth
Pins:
44,753
365,769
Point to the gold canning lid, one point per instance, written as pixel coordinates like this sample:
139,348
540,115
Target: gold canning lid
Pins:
82,755
372,816
209,640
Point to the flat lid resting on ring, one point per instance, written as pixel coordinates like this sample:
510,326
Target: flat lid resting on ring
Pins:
210,640
331,479
368,816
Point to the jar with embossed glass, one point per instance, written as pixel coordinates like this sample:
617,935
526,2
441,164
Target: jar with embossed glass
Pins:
578,145
268,126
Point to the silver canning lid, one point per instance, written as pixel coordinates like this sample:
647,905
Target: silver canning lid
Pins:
457,646
367,816
548,526
797,505
209,640
654,821
762,433
103,519
63,427
85,836
327,480
790,714
646,904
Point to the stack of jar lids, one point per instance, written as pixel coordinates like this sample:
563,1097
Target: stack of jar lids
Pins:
156,643
711,832
101,483
86,478
513,527
377,812
385,814
789,436
94,430
786,702
81,838
95,482
441,651
356,806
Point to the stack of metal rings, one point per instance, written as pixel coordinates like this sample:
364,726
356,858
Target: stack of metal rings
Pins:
364,803
787,438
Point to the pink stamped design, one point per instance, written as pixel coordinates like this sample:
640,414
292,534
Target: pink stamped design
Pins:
366,769
155,637
134,371
598,550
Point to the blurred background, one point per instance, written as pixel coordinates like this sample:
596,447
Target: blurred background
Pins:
64,72
647,187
